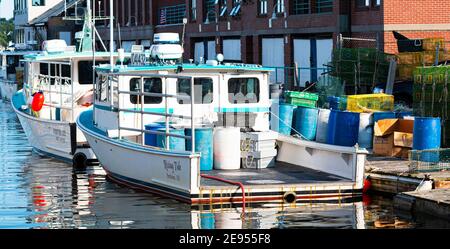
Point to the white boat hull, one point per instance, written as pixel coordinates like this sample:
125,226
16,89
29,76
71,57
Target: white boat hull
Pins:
54,138
166,173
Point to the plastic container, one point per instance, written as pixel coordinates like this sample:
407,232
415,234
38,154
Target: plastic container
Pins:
343,128
306,122
286,113
204,144
427,136
175,143
304,99
150,139
227,148
426,133
365,135
383,115
322,125
370,102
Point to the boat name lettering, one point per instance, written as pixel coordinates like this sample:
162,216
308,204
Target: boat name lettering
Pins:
172,169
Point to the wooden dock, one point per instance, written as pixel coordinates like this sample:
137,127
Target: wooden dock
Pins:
393,176
435,202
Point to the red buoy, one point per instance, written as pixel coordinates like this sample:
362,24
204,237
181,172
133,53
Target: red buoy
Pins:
367,185
38,101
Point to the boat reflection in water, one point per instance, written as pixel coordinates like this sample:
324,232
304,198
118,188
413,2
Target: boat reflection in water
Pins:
65,198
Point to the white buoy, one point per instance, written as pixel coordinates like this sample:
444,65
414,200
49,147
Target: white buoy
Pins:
227,148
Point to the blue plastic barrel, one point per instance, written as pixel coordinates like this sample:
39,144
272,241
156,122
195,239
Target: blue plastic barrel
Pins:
427,136
203,144
286,113
306,122
343,128
150,139
383,115
403,114
175,143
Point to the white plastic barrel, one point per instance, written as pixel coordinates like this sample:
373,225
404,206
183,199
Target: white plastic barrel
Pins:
365,136
322,125
227,148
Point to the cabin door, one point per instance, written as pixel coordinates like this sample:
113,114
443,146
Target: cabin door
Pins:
206,95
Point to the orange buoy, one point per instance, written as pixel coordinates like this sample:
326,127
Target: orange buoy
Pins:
38,101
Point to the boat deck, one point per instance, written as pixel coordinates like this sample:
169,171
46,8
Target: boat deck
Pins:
274,184
281,174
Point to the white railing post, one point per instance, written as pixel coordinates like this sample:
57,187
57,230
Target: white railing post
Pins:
142,99
166,88
192,117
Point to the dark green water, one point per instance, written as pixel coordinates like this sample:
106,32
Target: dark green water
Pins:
38,192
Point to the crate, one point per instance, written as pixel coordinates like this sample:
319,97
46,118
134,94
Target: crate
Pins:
370,102
301,102
262,163
302,95
430,44
409,58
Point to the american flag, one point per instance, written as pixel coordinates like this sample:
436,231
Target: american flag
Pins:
162,19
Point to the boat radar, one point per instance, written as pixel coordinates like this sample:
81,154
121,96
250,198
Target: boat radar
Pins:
166,46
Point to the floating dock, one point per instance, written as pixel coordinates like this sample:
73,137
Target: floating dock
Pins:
393,176
434,202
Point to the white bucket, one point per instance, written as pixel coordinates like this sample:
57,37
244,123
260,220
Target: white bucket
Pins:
322,125
227,148
365,136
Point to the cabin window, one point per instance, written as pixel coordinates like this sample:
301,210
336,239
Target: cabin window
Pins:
203,90
85,71
151,85
55,71
243,90
102,88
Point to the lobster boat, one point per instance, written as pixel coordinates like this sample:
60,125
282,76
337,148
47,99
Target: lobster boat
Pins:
200,133
11,72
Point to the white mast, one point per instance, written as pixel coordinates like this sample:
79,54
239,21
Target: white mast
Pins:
111,32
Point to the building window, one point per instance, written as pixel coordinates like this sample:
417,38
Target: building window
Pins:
243,90
151,85
362,3
209,10
172,14
377,3
236,8
262,7
38,2
324,6
193,10
301,7
223,8
279,6
203,90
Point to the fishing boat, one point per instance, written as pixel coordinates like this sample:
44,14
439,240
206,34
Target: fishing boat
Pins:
159,125
58,86
11,72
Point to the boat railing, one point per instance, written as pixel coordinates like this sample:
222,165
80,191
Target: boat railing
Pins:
165,95
8,82
57,89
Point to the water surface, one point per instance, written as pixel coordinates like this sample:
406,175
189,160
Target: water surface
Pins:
38,192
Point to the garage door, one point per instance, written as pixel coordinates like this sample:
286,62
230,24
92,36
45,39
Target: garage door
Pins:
66,36
232,49
302,55
211,50
207,50
324,51
273,56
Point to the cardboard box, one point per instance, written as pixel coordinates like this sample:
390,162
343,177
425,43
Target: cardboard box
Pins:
393,137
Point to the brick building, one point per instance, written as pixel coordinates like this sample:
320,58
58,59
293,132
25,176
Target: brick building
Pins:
277,32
